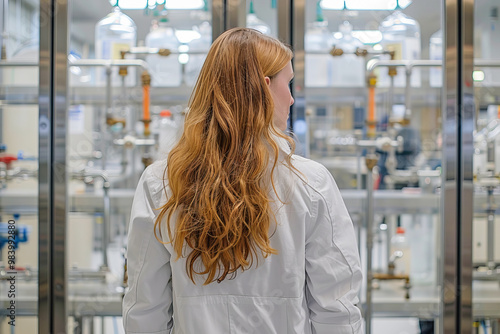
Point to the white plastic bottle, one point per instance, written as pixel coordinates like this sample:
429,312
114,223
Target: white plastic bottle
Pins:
255,23
165,71
400,33
199,47
400,250
348,69
114,33
168,136
318,63
436,53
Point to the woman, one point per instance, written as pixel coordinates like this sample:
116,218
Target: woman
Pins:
253,238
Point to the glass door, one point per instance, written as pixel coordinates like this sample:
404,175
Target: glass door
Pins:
19,162
486,168
373,117
131,68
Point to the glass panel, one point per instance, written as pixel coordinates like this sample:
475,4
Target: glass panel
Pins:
263,16
117,125
377,129
19,43
486,221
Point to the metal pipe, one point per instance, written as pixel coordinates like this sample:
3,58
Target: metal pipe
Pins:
372,64
390,98
358,169
108,89
408,65
146,117
486,63
108,111
5,63
407,94
369,251
3,34
106,224
488,275
106,215
491,229
371,161
106,208
144,50
109,62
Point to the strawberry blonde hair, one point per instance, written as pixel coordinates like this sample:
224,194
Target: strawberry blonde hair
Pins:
221,170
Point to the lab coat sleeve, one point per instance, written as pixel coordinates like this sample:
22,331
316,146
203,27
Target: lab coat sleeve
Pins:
333,272
147,305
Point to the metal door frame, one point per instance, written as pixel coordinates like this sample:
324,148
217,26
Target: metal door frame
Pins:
52,200
458,113
457,183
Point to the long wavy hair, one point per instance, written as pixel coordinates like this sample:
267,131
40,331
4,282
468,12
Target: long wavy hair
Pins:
221,172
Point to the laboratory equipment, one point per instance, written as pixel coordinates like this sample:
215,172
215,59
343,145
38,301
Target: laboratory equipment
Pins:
115,33
168,135
95,144
400,253
12,234
401,34
198,49
487,32
254,22
166,71
436,53
348,70
487,144
318,42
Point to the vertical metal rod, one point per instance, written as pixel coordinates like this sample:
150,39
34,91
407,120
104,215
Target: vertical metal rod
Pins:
391,221
491,229
108,88
53,106
217,18
285,21
466,152
369,250
450,192
296,15
235,14
104,146
391,101
105,224
457,200
408,71
44,170
3,33
358,169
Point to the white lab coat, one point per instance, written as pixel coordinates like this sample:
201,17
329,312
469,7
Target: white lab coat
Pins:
311,286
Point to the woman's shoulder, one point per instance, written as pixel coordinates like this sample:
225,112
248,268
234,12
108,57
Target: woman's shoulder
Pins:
313,174
153,178
310,167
